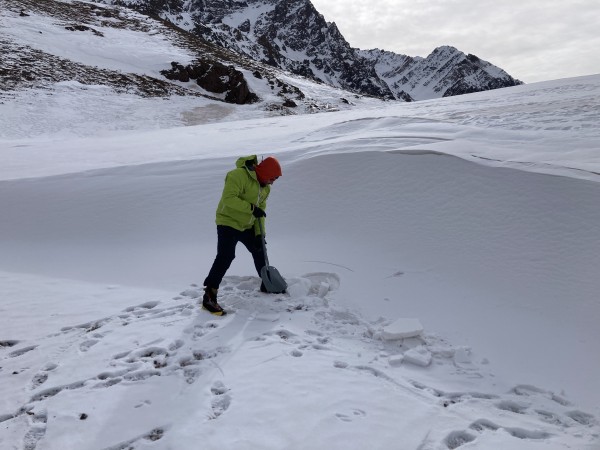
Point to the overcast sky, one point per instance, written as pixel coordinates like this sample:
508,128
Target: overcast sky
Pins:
533,40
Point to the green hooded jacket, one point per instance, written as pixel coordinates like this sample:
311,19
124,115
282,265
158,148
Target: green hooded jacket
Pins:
241,193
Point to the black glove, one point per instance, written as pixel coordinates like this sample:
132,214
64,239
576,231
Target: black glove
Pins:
257,212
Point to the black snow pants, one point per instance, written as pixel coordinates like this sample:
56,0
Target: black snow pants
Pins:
228,238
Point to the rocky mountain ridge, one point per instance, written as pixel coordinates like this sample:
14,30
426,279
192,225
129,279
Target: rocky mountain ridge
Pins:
41,42
445,72
292,35
257,51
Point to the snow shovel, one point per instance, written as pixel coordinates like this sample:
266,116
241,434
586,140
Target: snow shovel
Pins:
271,278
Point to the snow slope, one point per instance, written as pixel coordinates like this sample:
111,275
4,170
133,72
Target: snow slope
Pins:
62,61
396,212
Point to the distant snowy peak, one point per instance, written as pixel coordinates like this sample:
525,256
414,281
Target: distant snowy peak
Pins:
292,35
444,73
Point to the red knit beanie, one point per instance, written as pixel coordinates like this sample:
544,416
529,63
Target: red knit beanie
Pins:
267,170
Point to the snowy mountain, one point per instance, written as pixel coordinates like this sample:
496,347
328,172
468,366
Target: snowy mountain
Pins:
51,42
294,36
290,35
444,73
251,62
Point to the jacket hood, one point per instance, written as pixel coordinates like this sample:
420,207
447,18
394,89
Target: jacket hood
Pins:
241,162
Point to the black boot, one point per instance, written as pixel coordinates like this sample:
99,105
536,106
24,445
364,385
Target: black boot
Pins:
209,302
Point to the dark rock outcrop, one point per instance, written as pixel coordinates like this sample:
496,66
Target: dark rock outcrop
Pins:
214,77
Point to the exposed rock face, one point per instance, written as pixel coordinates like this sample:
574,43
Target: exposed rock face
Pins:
214,77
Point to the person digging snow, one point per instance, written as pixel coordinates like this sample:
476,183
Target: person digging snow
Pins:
241,207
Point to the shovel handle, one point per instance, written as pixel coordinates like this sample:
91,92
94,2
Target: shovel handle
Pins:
262,240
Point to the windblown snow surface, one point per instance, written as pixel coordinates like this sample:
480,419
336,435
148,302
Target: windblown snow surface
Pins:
442,258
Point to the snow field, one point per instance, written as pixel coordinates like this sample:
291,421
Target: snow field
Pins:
317,368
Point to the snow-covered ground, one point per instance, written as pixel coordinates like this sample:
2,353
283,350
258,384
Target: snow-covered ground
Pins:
106,239
442,258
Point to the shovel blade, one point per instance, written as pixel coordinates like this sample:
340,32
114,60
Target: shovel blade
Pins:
272,279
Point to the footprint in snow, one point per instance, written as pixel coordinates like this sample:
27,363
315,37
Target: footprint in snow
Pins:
51,392
458,438
38,380
191,374
512,406
21,351
153,436
527,390
88,327
355,413
553,415
86,345
147,305
36,431
175,345
192,293
221,400
141,375
42,376
197,331
191,366
581,417
8,343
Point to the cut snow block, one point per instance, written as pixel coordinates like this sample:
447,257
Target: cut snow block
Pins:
402,328
396,360
419,356
323,289
299,287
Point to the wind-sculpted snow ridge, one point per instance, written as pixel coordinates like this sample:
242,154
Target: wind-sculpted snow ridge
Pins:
167,372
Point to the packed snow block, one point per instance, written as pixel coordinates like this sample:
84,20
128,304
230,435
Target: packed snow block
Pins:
401,329
323,289
419,356
395,360
299,287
